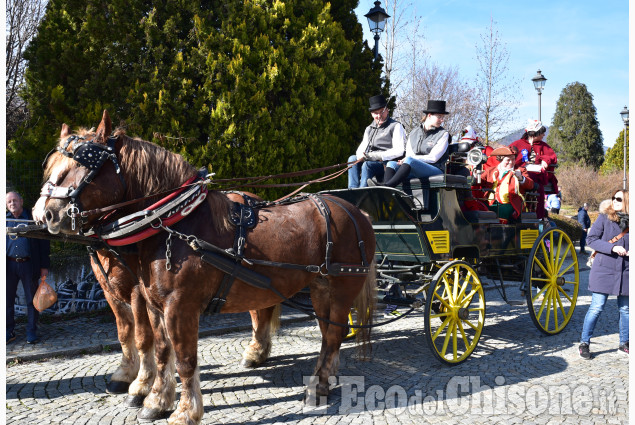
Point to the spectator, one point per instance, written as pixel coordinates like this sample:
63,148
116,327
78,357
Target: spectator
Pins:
509,185
609,273
585,221
27,261
384,140
553,203
426,150
539,160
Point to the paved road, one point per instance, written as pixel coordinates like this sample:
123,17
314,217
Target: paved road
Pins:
516,375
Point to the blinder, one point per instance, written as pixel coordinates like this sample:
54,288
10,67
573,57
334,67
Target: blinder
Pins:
91,155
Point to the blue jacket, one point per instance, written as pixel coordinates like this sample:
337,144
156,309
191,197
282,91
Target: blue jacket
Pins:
609,273
583,218
40,251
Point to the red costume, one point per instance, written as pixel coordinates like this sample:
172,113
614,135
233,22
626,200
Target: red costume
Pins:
507,188
543,153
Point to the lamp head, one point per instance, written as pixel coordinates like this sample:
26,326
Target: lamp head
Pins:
539,82
377,18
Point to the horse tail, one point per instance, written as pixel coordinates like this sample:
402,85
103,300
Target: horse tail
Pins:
274,323
364,304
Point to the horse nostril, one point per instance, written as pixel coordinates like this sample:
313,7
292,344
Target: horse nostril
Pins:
49,215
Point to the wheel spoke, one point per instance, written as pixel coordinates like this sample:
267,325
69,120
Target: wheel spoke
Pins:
441,328
464,337
544,288
471,325
544,270
562,291
443,301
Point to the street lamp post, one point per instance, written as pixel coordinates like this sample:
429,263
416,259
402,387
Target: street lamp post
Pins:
539,84
624,115
377,22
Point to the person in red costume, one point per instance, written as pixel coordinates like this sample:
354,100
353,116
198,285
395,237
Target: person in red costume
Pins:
509,184
539,160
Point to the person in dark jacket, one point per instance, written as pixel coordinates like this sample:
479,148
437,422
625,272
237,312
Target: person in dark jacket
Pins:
384,140
585,222
426,149
609,274
27,261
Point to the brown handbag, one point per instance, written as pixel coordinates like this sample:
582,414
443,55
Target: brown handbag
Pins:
615,239
45,296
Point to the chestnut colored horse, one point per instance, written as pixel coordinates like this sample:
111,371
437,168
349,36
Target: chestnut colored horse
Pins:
137,369
295,233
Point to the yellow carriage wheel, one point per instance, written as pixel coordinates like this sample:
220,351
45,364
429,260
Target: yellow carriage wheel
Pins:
553,280
351,331
454,312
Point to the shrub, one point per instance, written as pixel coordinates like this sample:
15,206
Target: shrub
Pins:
580,183
571,227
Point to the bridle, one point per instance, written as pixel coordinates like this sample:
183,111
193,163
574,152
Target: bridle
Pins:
86,153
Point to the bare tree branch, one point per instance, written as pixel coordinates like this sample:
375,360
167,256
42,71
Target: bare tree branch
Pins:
22,18
497,99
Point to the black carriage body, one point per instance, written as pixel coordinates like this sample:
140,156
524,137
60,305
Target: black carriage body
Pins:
422,222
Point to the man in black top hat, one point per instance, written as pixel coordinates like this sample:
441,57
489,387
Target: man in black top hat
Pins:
384,140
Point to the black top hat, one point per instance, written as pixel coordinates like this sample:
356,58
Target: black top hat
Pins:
377,102
435,107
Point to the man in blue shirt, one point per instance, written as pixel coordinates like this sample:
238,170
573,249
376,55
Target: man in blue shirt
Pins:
27,260
553,203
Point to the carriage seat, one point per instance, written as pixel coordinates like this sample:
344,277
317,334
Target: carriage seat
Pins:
419,188
475,216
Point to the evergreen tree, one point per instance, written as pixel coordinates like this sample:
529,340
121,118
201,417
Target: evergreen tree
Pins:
248,87
614,157
574,133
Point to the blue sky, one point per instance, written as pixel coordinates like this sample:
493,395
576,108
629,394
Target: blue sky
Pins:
569,41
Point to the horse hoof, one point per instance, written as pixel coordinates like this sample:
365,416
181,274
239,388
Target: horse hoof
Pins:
117,387
149,415
249,364
134,401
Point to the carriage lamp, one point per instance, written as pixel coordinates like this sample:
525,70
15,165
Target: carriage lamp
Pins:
377,17
624,115
539,85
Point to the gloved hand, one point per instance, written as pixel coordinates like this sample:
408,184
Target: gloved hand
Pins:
373,156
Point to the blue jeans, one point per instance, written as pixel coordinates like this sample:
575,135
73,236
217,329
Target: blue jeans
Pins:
21,272
598,301
418,169
359,173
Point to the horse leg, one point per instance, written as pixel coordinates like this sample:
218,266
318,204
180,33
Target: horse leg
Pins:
182,327
129,366
331,299
161,398
144,341
264,323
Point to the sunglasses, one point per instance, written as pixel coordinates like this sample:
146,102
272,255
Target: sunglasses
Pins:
618,199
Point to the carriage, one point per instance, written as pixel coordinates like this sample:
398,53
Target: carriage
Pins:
105,191
437,250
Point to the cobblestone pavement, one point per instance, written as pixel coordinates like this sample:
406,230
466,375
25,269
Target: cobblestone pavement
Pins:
516,375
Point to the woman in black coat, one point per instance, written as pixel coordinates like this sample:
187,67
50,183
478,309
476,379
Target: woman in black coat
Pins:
609,274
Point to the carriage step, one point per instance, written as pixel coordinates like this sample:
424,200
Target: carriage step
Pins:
515,302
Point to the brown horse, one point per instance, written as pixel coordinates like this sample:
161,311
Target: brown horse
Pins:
137,369
295,233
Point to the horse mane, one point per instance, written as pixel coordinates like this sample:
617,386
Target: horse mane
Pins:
148,168
154,168
159,170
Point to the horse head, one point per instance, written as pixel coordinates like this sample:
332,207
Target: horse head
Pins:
82,173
